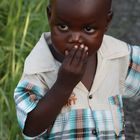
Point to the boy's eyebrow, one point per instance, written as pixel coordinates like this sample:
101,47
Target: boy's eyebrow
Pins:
59,19
92,23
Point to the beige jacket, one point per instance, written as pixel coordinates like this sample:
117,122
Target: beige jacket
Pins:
113,61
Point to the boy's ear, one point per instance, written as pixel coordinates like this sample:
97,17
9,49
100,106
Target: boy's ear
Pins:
109,18
48,9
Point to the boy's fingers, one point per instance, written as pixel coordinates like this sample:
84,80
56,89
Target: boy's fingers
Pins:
78,55
84,57
70,55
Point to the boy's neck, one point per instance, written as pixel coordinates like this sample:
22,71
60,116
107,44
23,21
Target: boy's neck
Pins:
59,57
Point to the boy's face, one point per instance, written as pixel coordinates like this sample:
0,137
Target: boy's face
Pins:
75,22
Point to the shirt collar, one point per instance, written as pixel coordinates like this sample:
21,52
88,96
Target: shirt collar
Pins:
40,58
112,48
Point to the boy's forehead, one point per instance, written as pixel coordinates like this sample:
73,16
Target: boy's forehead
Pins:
71,3
90,6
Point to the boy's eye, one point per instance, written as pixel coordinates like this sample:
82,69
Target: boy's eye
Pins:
63,27
89,29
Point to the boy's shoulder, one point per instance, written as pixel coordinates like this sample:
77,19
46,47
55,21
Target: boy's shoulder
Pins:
40,58
113,48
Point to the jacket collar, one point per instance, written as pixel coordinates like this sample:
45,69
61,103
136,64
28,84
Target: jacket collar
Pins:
113,48
41,60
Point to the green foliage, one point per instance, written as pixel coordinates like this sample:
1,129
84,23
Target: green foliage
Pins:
21,24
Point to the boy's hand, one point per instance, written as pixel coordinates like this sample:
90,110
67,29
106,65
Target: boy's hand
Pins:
73,66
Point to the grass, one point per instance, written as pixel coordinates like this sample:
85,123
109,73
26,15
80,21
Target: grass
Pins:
21,24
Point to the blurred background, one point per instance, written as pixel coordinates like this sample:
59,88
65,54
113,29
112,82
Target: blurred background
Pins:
126,21
21,24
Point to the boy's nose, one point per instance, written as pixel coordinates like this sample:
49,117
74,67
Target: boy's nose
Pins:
75,38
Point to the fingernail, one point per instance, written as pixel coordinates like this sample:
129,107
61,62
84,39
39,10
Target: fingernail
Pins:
86,48
82,46
66,52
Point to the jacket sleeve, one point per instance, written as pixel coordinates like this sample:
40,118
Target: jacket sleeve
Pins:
132,82
28,92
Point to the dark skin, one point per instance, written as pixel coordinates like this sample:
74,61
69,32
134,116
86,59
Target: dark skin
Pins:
76,39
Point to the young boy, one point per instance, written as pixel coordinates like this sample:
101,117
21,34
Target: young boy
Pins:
74,78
